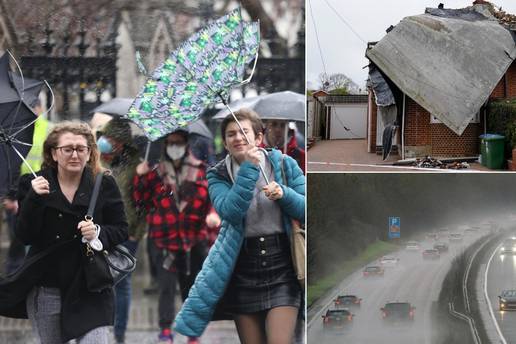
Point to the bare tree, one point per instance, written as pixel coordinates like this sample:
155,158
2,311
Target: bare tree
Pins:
334,81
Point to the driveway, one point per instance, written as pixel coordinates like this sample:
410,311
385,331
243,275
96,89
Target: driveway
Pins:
352,155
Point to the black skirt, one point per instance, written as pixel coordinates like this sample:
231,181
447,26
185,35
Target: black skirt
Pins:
264,277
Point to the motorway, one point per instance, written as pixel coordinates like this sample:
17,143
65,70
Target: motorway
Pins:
413,280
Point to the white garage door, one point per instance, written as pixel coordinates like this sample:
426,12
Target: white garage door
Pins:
348,121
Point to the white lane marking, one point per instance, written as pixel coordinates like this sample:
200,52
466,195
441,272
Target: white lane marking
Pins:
502,338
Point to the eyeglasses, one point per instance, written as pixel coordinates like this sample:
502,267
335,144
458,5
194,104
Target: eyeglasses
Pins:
68,150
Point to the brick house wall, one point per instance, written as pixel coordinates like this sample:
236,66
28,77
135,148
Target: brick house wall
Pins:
435,139
510,92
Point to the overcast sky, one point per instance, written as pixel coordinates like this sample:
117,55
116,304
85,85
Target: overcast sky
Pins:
343,52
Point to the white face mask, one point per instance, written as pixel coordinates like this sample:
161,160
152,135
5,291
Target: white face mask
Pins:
176,152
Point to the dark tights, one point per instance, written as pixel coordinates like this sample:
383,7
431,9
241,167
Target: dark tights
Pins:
275,326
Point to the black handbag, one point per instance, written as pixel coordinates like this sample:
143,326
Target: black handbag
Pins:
104,269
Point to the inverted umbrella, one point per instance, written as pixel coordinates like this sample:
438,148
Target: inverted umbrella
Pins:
197,74
281,106
17,96
118,107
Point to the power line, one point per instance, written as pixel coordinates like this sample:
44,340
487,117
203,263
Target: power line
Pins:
317,37
345,22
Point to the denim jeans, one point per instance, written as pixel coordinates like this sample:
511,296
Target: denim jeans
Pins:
123,296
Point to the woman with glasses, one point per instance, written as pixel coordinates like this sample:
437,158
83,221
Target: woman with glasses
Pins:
50,287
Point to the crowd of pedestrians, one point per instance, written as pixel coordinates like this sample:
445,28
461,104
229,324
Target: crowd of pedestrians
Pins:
215,231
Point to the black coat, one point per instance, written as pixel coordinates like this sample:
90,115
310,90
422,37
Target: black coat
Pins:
49,224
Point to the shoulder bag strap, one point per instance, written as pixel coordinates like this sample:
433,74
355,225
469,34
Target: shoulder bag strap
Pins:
94,196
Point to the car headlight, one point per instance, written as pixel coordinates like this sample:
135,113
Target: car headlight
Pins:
503,300
503,248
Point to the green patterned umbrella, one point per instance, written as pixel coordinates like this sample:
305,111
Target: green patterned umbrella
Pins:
197,74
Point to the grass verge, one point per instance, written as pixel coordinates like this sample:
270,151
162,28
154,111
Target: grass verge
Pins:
344,269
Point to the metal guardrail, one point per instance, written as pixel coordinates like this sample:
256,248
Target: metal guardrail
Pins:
466,276
465,295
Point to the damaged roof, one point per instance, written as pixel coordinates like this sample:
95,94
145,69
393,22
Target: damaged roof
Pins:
448,61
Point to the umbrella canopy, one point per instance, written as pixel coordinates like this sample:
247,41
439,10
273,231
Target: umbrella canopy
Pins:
197,74
118,107
16,122
286,105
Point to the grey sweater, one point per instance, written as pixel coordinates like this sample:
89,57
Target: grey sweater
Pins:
263,216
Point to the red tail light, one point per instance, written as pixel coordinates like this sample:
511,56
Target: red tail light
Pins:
350,317
384,314
357,301
365,273
326,320
337,302
411,314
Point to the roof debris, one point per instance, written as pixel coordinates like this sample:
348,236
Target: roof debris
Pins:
429,162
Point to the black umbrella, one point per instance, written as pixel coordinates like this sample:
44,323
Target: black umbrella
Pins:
17,95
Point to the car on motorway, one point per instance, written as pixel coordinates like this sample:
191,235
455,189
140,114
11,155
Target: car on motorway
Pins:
441,247
455,237
432,236
472,230
389,261
508,247
443,231
337,320
347,301
412,246
507,300
372,271
431,254
398,312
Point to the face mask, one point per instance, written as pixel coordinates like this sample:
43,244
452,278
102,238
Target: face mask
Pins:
105,147
176,152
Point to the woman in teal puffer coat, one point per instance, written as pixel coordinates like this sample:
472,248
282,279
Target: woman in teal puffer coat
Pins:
248,273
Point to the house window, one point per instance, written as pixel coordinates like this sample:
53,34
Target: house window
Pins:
475,119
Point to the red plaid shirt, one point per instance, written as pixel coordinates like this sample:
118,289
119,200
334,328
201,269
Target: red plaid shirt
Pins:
171,228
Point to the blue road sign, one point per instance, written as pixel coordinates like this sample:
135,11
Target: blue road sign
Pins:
394,227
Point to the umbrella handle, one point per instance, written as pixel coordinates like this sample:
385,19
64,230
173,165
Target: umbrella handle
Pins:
285,139
245,135
147,150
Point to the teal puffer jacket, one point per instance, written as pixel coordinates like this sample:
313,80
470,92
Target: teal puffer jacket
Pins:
231,198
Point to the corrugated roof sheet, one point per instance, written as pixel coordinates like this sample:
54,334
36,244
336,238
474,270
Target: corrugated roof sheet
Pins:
346,99
449,63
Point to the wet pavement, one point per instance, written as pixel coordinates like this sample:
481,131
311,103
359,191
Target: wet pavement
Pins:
352,155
